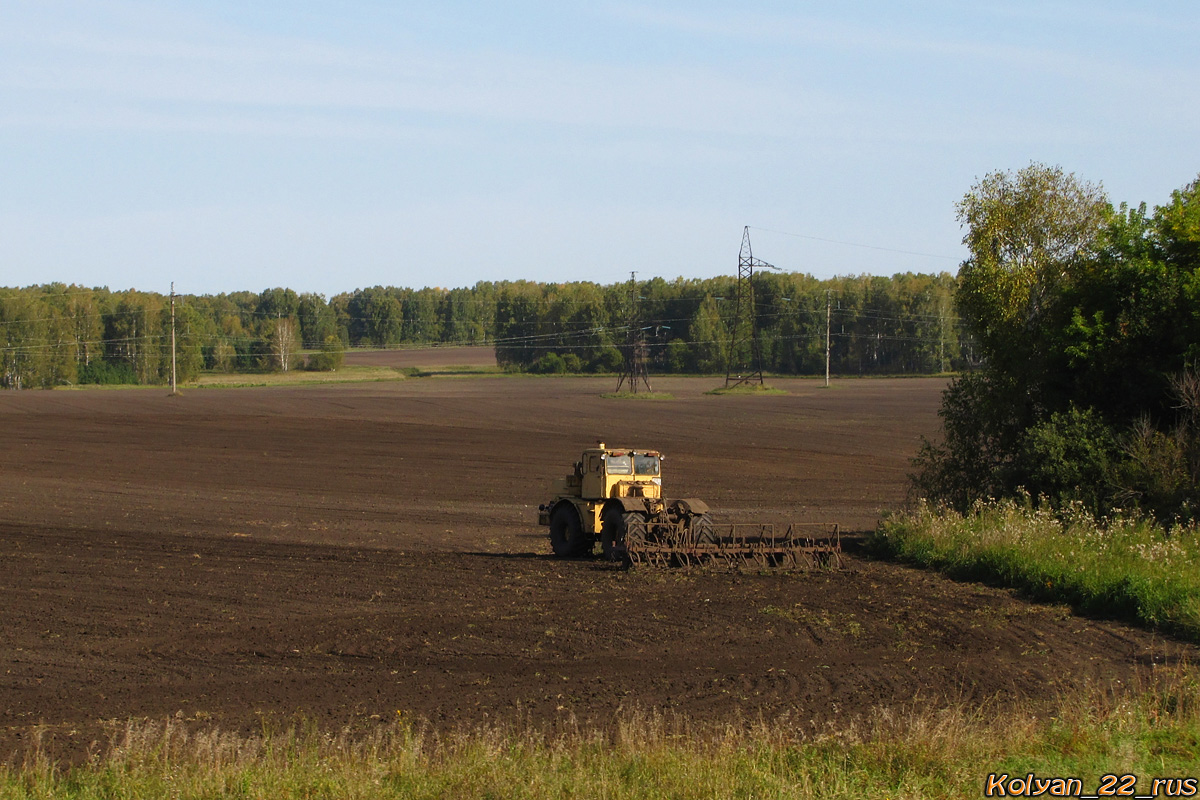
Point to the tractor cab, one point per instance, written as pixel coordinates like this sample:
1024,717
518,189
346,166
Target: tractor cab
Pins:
619,472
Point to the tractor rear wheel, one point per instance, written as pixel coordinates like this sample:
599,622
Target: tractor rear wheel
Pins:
703,527
612,533
567,538
635,529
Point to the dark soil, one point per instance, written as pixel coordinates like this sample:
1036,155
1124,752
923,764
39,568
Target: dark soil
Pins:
342,553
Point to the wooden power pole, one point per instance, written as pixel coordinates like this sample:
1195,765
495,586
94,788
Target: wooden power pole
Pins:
828,317
173,337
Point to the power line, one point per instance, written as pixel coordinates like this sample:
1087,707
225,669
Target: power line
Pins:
851,244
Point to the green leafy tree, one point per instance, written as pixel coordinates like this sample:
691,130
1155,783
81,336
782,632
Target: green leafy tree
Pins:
422,315
57,334
190,328
20,340
518,324
277,303
1030,234
1177,228
330,357
608,359
384,318
467,315
710,338
677,356
1086,318
134,334
317,319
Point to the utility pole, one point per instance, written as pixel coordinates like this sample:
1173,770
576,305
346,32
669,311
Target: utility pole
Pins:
828,317
173,337
942,336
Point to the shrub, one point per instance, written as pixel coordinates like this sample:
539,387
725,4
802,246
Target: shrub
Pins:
1069,457
549,364
107,373
1157,474
678,354
330,357
983,419
609,359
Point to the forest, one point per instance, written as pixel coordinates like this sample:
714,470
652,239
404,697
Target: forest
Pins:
60,335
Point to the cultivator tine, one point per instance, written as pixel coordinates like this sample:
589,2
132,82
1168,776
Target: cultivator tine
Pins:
757,545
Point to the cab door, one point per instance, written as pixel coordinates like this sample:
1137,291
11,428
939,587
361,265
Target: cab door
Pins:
593,476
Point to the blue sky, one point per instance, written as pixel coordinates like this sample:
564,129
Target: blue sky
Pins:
331,146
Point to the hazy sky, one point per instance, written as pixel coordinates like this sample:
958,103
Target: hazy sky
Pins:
330,146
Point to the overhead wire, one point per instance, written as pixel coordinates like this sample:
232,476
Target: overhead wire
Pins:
856,244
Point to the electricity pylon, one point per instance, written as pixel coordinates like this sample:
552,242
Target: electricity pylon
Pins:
744,363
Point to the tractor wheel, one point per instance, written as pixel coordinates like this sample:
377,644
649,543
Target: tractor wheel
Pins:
612,533
635,529
566,533
703,526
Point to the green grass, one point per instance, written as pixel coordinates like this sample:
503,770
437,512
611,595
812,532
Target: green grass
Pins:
1128,568
463,371
915,752
638,396
354,373
748,389
343,374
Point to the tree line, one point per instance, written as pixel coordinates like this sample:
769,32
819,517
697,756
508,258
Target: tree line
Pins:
56,334
904,324
1086,318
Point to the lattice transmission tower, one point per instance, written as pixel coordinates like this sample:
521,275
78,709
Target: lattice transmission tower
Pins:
636,351
744,364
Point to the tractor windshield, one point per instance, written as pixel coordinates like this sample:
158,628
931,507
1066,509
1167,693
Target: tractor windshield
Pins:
618,464
644,464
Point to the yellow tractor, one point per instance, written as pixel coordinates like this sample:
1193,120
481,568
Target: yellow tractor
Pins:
614,496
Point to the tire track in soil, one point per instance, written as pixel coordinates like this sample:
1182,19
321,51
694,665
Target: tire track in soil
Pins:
231,556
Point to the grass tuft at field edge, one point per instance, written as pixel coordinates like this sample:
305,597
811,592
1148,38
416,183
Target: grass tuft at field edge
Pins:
755,389
1126,567
902,753
638,396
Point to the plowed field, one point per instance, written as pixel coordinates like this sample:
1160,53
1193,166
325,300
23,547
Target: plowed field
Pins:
347,552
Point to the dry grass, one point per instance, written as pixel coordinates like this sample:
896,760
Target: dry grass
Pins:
908,752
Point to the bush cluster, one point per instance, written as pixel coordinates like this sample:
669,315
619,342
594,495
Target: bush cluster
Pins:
1087,324
605,359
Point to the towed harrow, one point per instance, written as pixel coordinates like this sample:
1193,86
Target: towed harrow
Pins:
762,545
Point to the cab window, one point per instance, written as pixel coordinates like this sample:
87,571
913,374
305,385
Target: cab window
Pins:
619,465
645,464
